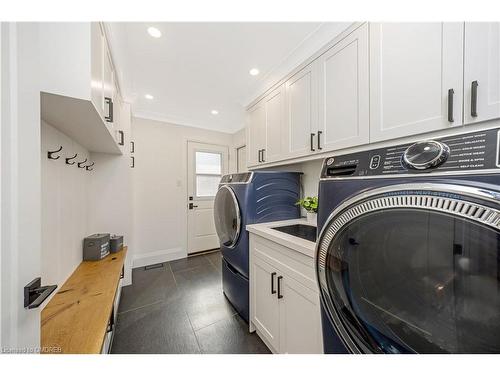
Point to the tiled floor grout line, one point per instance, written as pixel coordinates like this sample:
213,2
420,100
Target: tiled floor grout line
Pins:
170,267
194,332
211,263
218,321
140,307
187,269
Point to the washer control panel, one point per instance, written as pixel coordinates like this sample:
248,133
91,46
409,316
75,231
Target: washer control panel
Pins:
473,151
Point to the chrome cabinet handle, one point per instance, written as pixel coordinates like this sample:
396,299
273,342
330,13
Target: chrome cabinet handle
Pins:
280,296
260,157
451,92
312,142
473,99
273,290
263,159
319,140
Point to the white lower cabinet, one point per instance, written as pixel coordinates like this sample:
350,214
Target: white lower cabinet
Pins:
284,299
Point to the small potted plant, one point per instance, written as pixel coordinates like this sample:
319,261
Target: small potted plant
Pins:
310,204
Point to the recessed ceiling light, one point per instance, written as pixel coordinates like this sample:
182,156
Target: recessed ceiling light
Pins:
254,71
154,32
214,112
149,96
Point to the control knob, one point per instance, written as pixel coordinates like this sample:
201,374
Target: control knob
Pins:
425,155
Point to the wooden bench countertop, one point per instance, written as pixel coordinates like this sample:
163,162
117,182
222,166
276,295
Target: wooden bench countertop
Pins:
76,318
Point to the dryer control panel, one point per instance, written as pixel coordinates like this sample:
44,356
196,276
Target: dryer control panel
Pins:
454,154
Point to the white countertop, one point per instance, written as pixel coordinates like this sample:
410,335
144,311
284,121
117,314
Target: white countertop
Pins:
295,243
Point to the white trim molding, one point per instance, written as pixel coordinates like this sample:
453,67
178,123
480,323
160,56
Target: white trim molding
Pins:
154,257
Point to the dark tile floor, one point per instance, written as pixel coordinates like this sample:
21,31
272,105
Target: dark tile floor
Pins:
180,308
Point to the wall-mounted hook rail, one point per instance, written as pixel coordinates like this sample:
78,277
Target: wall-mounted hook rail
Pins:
89,167
81,164
50,153
71,158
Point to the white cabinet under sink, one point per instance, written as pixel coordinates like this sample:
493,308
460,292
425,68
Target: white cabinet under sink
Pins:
284,298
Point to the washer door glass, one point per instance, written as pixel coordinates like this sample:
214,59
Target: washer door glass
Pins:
411,280
227,216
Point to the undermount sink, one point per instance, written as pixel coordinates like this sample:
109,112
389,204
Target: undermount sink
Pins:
306,232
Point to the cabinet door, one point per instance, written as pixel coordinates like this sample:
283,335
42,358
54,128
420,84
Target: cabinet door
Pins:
108,86
256,117
412,68
301,112
265,309
344,93
97,60
482,66
300,324
275,115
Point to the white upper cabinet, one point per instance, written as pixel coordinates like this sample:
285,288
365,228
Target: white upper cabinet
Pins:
256,117
482,72
97,58
416,77
301,113
344,93
108,88
76,77
275,116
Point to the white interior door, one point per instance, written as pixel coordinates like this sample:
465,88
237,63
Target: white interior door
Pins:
207,163
20,177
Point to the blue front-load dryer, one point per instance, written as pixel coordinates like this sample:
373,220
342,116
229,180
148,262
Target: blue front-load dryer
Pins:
243,199
408,256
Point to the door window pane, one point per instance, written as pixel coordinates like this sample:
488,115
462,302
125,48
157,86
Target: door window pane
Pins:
206,186
208,163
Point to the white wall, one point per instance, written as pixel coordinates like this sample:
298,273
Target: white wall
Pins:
160,191
64,206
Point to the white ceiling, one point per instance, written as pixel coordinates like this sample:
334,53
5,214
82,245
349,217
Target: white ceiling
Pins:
196,67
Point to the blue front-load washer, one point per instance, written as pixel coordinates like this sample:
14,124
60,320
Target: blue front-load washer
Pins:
249,198
408,256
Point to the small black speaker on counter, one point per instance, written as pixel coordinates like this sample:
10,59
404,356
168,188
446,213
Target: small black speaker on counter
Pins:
116,243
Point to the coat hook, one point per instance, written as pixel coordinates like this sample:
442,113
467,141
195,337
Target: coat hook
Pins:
50,153
88,167
81,164
71,158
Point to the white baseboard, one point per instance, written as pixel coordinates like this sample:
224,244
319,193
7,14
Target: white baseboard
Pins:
153,257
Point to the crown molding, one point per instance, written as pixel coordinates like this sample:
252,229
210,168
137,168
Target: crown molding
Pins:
311,47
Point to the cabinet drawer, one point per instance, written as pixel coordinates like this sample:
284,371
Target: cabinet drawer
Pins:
292,263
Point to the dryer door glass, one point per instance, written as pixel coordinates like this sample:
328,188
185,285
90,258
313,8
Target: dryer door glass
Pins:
227,216
406,280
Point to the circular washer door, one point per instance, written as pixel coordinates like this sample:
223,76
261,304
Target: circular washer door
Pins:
414,269
227,216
